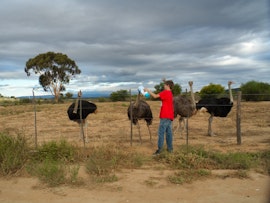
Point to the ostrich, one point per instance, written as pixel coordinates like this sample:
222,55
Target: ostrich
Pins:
79,115
216,107
140,110
184,107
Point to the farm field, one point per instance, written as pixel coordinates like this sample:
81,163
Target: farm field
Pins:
111,126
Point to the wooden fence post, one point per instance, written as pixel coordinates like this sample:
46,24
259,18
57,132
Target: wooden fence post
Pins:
35,110
238,118
131,118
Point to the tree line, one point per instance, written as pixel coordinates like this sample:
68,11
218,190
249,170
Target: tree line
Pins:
55,71
251,91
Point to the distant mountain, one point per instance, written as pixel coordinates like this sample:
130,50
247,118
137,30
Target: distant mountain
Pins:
86,94
92,94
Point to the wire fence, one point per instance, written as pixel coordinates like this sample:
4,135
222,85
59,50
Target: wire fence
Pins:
111,123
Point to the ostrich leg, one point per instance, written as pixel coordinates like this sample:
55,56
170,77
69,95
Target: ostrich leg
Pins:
183,120
179,125
149,133
81,131
85,131
210,132
139,129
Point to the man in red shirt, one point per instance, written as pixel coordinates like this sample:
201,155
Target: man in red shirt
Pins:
166,116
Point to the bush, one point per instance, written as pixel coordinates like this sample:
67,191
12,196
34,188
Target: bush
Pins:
198,158
265,161
49,171
120,95
255,91
13,153
55,151
188,176
50,163
211,90
105,160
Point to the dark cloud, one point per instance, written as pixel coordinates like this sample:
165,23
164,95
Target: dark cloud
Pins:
125,42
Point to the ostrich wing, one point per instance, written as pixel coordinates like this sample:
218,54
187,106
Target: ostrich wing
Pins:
224,106
183,106
217,107
87,108
141,111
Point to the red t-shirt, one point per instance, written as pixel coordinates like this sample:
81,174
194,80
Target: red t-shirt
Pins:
166,110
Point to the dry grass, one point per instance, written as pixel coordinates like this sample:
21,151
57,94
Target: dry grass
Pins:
111,125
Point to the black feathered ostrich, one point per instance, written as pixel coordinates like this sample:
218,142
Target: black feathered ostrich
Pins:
140,110
216,107
184,107
79,115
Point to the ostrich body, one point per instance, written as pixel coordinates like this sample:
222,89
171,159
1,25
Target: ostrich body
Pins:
74,111
184,107
216,107
140,110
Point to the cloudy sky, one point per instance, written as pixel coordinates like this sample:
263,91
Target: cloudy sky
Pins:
121,44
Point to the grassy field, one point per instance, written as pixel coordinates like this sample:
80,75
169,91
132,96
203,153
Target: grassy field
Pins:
111,125
112,158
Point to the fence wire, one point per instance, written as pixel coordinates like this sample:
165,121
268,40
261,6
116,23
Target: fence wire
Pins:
111,123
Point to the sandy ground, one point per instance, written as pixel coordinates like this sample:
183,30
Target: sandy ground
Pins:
132,188
111,125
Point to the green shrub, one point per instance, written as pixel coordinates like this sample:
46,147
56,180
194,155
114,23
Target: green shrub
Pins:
197,158
73,174
13,153
55,151
238,160
50,163
49,171
211,90
255,91
187,176
103,161
265,161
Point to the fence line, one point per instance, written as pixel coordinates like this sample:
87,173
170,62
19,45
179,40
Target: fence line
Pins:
109,121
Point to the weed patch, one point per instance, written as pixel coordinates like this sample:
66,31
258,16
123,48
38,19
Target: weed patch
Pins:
187,176
13,153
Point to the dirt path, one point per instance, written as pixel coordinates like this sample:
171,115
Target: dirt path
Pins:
133,187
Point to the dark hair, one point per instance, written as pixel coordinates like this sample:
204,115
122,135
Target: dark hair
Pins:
170,83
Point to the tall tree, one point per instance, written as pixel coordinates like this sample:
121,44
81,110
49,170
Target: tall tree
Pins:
54,70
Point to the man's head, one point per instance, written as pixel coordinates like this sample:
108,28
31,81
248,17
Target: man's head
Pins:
169,83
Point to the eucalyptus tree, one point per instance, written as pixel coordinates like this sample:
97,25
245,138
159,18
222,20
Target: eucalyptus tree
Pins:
55,70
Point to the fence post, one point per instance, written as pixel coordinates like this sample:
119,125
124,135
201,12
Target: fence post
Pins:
81,120
35,110
238,118
131,118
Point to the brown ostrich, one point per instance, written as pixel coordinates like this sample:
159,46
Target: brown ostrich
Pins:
140,110
184,107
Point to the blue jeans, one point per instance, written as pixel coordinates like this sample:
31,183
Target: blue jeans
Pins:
165,126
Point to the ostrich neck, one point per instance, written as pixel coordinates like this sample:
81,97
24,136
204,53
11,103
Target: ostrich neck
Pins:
137,100
192,96
230,92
